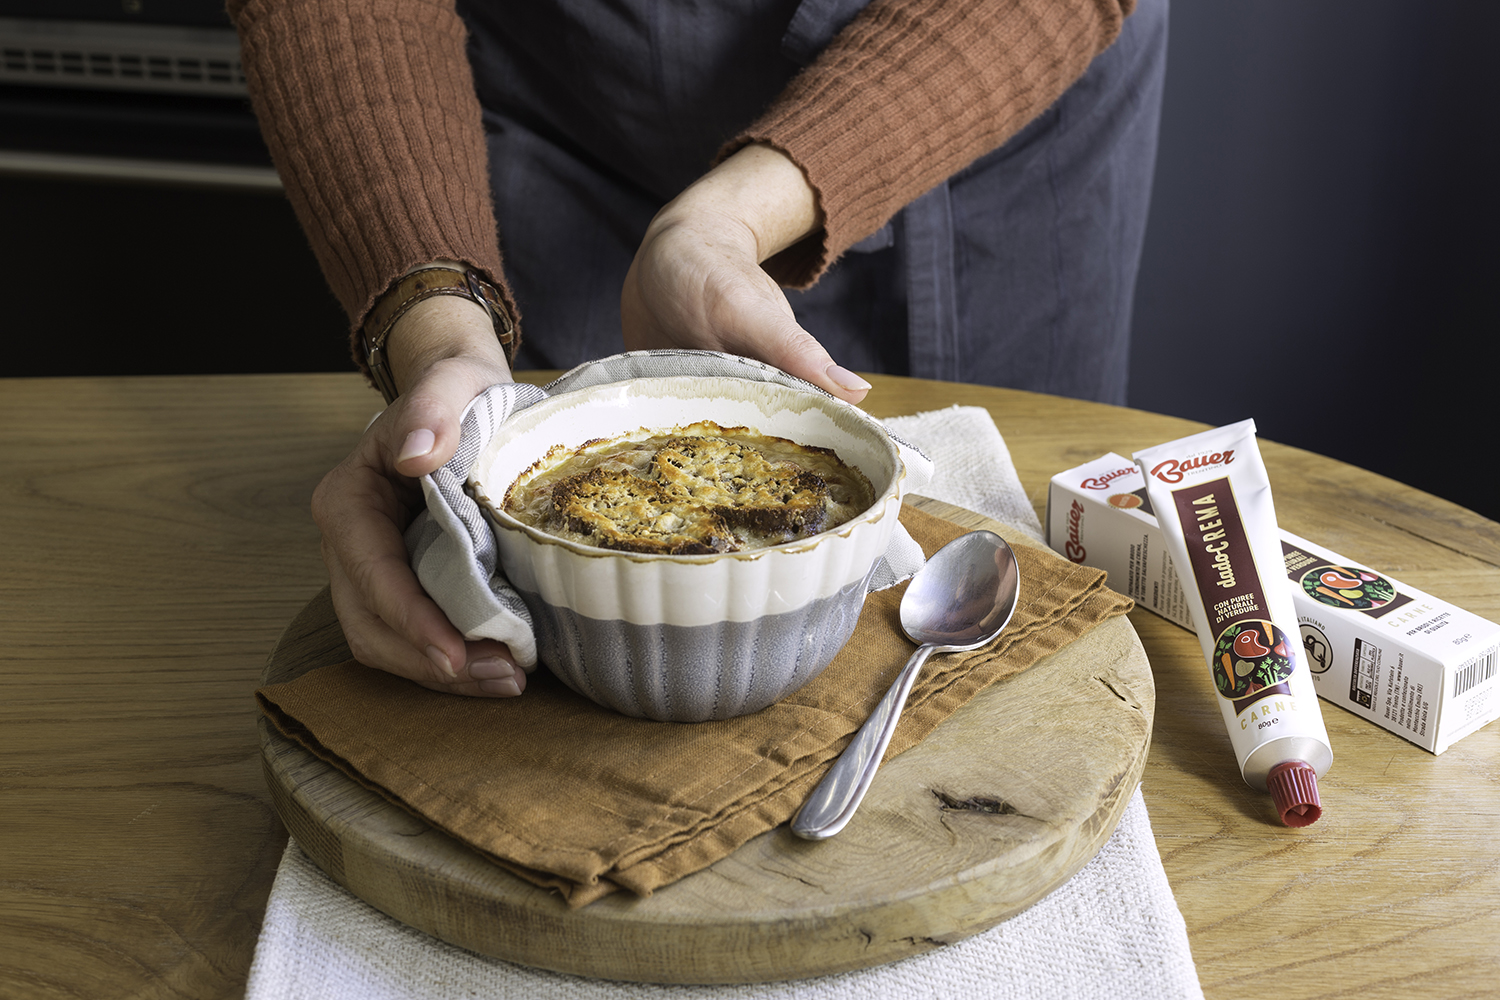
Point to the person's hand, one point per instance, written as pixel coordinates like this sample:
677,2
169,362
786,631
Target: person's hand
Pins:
696,280
443,353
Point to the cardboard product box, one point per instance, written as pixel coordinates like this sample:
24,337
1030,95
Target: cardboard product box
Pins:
1407,661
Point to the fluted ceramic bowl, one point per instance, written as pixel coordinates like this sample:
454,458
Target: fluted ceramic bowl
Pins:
691,638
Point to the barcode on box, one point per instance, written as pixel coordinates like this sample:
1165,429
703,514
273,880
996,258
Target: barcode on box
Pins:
1474,672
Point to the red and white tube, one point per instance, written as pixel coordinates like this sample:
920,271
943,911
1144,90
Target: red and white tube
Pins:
1212,498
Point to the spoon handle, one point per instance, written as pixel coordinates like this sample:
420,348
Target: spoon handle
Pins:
838,795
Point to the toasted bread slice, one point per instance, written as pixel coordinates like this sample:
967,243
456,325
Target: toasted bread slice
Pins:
744,487
620,510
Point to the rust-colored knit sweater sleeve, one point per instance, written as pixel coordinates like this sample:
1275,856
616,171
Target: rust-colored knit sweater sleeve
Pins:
370,113
911,92
369,110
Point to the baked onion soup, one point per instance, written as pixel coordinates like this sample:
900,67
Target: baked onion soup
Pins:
682,556
693,490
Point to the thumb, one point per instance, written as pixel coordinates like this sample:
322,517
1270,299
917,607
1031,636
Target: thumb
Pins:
422,429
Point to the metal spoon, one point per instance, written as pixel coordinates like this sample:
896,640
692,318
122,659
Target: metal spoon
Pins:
960,599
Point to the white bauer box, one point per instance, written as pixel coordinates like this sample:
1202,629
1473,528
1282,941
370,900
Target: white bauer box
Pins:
1407,661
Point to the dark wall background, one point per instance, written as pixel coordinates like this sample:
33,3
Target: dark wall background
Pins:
148,279
1322,252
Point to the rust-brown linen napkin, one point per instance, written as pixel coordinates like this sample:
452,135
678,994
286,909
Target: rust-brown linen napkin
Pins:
579,798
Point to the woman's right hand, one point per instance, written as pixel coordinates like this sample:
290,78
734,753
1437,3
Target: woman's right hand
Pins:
443,352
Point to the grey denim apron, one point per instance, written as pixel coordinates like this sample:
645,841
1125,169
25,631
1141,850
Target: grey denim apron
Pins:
1017,271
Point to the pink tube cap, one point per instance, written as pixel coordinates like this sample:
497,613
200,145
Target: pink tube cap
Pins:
1294,789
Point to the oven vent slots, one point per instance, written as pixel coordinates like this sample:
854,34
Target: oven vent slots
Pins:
121,57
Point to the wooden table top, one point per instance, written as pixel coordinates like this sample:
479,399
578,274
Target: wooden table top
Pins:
156,540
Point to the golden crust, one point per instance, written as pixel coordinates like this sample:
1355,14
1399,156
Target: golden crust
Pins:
694,492
619,510
743,486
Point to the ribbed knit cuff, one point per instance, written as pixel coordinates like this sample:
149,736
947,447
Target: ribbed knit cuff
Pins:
370,113
911,92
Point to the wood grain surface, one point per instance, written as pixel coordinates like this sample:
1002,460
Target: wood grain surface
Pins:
157,542
1395,892
908,874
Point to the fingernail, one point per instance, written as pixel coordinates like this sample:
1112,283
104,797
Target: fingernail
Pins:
845,378
490,668
418,443
505,687
440,658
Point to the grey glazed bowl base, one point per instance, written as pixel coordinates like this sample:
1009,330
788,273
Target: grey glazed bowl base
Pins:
677,673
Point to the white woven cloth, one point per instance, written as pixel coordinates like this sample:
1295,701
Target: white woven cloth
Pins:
1112,930
972,467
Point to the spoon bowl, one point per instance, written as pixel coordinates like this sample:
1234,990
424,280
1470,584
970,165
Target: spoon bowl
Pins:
961,599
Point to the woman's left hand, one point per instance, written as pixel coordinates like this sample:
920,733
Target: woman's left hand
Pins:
696,281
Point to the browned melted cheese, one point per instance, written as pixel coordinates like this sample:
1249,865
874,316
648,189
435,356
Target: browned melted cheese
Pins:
696,490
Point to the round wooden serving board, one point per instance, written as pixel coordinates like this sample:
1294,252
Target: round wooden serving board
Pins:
1000,805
